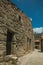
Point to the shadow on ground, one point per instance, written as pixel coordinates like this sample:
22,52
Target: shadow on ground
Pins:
40,51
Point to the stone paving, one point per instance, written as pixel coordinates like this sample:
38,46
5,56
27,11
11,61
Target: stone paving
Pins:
33,58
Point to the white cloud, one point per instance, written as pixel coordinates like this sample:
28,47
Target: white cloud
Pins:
38,30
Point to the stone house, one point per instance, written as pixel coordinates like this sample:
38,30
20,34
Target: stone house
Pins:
16,34
38,40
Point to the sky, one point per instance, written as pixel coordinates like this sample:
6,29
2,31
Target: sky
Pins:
33,9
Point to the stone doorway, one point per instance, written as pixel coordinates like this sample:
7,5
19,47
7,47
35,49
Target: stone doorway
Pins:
37,45
8,42
29,44
41,45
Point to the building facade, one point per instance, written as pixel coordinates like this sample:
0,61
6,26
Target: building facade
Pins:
38,40
16,34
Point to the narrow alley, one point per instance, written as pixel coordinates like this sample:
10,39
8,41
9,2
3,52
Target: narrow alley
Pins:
34,58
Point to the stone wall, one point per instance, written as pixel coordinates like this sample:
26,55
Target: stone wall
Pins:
19,25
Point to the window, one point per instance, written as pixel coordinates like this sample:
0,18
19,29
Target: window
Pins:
18,17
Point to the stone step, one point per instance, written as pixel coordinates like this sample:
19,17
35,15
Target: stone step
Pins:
11,59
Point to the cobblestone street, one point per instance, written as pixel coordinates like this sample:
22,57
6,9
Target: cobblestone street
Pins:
34,58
